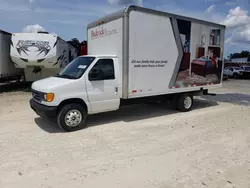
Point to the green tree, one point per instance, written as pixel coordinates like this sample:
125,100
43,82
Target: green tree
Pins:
243,54
74,42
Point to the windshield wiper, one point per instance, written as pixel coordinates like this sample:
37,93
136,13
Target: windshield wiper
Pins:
65,76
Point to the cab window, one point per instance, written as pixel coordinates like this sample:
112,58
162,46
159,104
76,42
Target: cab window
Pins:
102,70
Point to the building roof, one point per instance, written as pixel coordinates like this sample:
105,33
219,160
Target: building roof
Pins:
2,31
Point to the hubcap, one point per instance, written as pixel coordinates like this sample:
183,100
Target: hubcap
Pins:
73,118
187,102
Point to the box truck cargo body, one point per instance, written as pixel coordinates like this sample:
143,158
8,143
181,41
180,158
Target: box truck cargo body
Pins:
8,71
135,55
40,54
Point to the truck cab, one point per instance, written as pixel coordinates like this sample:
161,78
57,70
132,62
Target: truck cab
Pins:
88,85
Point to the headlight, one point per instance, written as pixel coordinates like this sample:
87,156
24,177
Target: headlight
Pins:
49,97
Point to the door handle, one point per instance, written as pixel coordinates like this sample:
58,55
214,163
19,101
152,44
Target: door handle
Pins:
116,89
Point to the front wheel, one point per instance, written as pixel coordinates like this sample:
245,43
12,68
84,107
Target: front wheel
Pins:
72,117
185,102
235,75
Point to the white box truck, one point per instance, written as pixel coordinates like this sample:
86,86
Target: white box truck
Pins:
41,54
8,72
134,55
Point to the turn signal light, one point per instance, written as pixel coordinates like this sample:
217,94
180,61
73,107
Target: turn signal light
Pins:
49,97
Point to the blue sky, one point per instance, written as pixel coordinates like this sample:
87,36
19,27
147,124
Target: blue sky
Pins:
68,18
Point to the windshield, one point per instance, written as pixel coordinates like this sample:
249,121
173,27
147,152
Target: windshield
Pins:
237,68
76,68
247,68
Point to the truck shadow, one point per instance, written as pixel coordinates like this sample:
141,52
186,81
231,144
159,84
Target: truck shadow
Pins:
233,98
48,125
126,114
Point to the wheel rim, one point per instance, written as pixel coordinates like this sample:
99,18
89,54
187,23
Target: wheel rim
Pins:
187,102
73,118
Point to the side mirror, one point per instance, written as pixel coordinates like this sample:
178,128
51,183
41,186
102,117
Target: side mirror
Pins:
96,74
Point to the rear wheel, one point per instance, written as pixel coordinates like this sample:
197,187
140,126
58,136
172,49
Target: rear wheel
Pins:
185,102
72,117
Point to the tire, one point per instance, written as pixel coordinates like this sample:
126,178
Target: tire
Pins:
76,114
225,77
185,102
235,75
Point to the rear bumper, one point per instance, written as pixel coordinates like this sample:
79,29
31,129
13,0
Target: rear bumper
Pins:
41,110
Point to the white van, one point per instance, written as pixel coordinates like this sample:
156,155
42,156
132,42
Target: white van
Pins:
134,55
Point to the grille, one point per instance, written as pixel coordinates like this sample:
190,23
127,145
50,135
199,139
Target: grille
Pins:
38,96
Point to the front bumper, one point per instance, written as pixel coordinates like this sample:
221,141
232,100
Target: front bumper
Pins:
42,110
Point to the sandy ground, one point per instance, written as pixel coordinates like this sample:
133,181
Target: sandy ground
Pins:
140,146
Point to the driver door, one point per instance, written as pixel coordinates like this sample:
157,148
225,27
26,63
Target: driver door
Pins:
102,86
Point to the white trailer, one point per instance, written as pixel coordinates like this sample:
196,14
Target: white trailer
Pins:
8,71
41,54
134,55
